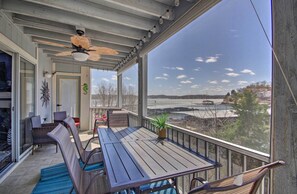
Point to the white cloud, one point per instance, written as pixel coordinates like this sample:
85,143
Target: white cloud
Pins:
225,81
181,76
211,59
127,78
186,82
213,82
229,69
195,86
165,74
242,82
132,85
163,78
199,59
172,68
105,79
114,77
179,85
248,71
232,74
197,69
192,78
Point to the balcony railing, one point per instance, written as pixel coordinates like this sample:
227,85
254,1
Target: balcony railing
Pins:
233,158
98,112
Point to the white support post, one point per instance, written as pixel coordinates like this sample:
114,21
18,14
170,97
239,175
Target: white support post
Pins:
119,90
142,88
144,85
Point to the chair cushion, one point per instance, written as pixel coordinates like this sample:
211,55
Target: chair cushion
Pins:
60,170
154,185
166,191
36,121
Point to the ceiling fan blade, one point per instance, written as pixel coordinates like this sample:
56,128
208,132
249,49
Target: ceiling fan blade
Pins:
64,53
103,50
93,56
82,41
51,43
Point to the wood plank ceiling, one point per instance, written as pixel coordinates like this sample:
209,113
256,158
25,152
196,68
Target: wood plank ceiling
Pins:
124,25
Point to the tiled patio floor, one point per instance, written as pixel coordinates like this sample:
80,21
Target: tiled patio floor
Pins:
23,179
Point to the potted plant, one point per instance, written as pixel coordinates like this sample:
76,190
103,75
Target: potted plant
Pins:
160,123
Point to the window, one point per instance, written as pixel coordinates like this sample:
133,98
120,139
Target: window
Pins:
103,88
27,98
214,76
130,89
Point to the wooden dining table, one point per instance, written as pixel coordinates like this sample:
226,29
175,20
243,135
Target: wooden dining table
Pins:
135,156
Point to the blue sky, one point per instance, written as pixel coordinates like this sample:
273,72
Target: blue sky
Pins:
223,49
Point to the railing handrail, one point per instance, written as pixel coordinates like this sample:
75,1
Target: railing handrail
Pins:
105,107
231,146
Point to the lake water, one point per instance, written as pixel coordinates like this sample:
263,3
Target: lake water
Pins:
200,110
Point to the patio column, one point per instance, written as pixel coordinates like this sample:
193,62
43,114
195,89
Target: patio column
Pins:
119,90
284,106
142,88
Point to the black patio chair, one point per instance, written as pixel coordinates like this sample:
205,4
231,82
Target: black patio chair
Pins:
39,132
245,183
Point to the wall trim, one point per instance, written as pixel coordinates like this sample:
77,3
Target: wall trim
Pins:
15,48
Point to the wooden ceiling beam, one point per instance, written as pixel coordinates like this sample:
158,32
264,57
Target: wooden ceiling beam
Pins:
66,38
99,12
52,14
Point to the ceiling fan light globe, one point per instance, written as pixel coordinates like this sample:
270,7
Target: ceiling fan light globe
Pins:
80,56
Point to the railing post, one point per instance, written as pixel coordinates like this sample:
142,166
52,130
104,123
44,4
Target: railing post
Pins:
142,88
119,90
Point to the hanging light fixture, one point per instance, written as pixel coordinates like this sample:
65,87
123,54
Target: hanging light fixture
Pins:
80,56
168,14
149,34
144,39
176,3
161,21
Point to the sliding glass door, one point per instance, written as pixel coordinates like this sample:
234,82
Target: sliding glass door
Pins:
5,110
27,103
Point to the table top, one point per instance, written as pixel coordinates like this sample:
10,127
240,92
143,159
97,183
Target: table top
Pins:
116,134
133,162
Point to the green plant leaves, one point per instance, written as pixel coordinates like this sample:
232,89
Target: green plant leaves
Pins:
160,121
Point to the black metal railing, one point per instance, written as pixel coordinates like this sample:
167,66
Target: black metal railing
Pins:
233,158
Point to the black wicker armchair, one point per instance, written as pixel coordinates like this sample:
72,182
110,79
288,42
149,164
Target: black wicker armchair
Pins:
39,132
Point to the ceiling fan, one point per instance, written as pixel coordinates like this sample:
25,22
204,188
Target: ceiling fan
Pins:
82,48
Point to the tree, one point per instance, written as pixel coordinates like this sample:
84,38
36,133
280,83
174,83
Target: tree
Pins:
105,95
251,128
129,98
102,93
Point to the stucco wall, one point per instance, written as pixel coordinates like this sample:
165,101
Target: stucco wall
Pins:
44,64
